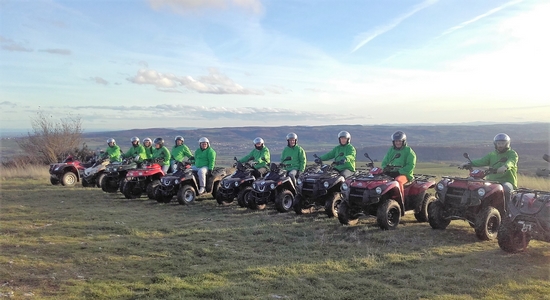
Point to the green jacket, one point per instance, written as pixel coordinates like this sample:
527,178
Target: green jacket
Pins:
492,160
205,158
298,158
163,153
179,152
261,157
114,153
136,150
148,152
348,152
404,164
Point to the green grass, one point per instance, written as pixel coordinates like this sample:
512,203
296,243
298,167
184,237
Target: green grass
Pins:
81,243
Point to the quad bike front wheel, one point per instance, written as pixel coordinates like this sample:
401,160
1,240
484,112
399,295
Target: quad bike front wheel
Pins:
422,214
54,181
284,201
186,195
435,216
487,223
130,190
510,237
151,187
69,179
332,204
242,196
100,179
388,214
108,185
299,205
345,215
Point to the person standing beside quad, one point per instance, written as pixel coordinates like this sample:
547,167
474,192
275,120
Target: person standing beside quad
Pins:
148,146
298,160
179,151
506,171
113,151
135,150
205,160
344,154
261,156
400,160
160,152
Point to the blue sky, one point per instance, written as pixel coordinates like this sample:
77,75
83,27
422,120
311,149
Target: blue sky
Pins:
223,63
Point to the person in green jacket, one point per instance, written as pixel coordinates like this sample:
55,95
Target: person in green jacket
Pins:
298,160
261,156
344,154
135,150
179,151
205,160
113,151
506,172
148,146
401,167
162,153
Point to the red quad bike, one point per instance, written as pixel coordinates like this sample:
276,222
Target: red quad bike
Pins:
276,187
377,193
473,199
237,184
143,179
319,186
527,218
67,172
185,184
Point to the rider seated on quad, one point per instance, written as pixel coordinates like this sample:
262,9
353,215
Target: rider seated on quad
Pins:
148,146
113,151
343,154
506,172
261,156
297,154
205,160
400,160
161,153
179,151
135,150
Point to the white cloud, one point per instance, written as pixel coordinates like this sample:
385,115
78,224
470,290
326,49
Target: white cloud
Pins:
184,6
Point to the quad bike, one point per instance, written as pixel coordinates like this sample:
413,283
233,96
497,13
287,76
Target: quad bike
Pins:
375,192
237,184
473,199
544,172
93,175
145,178
527,218
185,184
115,173
67,172
319,186
276,187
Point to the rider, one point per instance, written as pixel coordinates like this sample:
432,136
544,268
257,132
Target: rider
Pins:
261,156
297,156
162,153
343,154
135,150
403,165
506,172
205,159
148,146
179,151
113,151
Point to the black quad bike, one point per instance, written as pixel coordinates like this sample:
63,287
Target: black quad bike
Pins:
377,193
184,183
527,218
319,186
276,187
473,199
115,173
237,184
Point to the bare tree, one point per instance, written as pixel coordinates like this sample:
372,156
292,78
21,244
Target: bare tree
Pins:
51,140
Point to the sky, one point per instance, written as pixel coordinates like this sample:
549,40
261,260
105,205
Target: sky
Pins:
124,64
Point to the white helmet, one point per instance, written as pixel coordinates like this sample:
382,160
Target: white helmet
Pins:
344,134
258,140
204,140
111,140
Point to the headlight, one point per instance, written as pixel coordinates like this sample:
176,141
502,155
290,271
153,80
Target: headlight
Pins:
344,187
378,190
299,181
272,186
226,185
325,184
440,186
236,183
254,185
481,192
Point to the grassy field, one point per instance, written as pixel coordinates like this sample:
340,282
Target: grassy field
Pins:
81,243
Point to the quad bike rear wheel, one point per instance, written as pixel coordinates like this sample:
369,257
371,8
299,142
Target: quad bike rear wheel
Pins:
186,195
487,223
388,214
435,216
284,201
422,214
510,238
69,179
332,204
345,215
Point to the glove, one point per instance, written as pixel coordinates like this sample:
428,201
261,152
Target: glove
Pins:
387,169
192,158
465,165
342,161
318,161
502,169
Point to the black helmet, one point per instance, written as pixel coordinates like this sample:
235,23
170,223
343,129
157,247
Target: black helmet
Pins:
344,134
179,138
399,136
502,137
159,141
